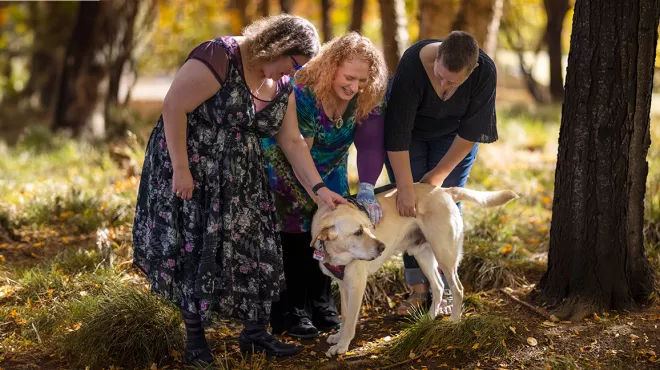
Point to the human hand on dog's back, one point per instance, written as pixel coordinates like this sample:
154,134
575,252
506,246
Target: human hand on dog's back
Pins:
367,199
406,201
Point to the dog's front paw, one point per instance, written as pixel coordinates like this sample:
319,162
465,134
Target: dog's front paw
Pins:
338,349
333,338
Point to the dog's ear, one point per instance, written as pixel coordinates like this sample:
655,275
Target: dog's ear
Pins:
327,233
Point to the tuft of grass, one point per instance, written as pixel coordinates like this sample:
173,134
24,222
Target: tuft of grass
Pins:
74,260
480,274
387,280
40,281
471,338
129,327
474,302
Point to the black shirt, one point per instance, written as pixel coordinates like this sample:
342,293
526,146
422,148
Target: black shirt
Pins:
415,111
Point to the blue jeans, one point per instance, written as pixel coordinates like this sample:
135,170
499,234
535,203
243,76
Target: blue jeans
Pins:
424,156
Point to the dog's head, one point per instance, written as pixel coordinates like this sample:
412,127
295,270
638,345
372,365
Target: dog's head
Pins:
346,235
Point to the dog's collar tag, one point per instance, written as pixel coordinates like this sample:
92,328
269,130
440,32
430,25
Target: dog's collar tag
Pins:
319,255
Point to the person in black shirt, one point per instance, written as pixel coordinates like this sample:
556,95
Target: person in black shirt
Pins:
442,104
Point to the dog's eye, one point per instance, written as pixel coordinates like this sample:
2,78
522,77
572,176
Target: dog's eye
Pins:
359,232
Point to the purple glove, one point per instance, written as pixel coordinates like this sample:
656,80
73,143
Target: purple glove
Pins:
367,199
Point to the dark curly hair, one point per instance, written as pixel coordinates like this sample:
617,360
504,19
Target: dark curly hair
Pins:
281,35
459,51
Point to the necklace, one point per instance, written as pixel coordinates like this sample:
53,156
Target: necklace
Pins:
339,122
256,93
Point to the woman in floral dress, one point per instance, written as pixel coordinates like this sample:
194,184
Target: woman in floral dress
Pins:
205,230
339,100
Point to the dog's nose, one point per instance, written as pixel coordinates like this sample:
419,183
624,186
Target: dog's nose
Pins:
381,248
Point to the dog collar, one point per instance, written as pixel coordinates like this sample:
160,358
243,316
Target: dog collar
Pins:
319,255
337,271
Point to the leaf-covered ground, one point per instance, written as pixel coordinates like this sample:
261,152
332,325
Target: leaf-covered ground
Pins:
69,298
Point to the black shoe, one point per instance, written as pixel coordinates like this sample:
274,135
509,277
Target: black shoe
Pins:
200,357
327,319
303,329
266,342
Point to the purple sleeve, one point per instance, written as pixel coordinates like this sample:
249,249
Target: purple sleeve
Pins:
370,145
214,56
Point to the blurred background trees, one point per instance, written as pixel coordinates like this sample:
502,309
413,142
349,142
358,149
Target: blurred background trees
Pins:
75,65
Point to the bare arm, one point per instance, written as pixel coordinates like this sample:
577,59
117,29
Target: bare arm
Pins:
308,189
400,162
193,85
296,150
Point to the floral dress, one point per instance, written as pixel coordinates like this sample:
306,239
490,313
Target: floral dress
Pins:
219,251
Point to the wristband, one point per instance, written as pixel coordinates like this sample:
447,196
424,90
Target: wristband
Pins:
317,187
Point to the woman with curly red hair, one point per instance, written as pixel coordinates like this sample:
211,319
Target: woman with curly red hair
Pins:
339,98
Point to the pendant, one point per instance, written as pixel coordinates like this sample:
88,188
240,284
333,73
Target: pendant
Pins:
339,122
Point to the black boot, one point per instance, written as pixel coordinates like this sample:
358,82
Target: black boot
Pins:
303,329
255,338
198,351
326,319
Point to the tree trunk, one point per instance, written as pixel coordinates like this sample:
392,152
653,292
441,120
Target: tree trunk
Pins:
356,16
480,18
596,259
264,8
395,37
326,20
556,11
116,68
286,6
238,17
436,18
81,73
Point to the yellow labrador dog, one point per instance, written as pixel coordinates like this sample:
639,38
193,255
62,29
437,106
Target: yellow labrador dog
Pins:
349,249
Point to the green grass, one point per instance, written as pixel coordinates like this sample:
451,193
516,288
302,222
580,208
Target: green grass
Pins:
90,314
129,328
470,338
54,181
81,304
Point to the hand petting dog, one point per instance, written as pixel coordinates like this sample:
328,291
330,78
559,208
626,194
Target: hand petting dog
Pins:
367,199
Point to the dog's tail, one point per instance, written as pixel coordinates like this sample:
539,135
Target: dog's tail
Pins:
482,198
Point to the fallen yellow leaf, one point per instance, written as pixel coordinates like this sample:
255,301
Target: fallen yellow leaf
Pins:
507,249
532,341
476,345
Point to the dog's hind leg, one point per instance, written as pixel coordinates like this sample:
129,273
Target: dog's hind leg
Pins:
355,282
446,242
451,274
429,265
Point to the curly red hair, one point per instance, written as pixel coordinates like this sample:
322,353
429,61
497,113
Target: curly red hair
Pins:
319,72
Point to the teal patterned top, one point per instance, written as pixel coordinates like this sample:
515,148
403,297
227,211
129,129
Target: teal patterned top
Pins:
294,206
329,152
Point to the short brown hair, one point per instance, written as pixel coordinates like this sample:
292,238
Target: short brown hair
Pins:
281,35
459,51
